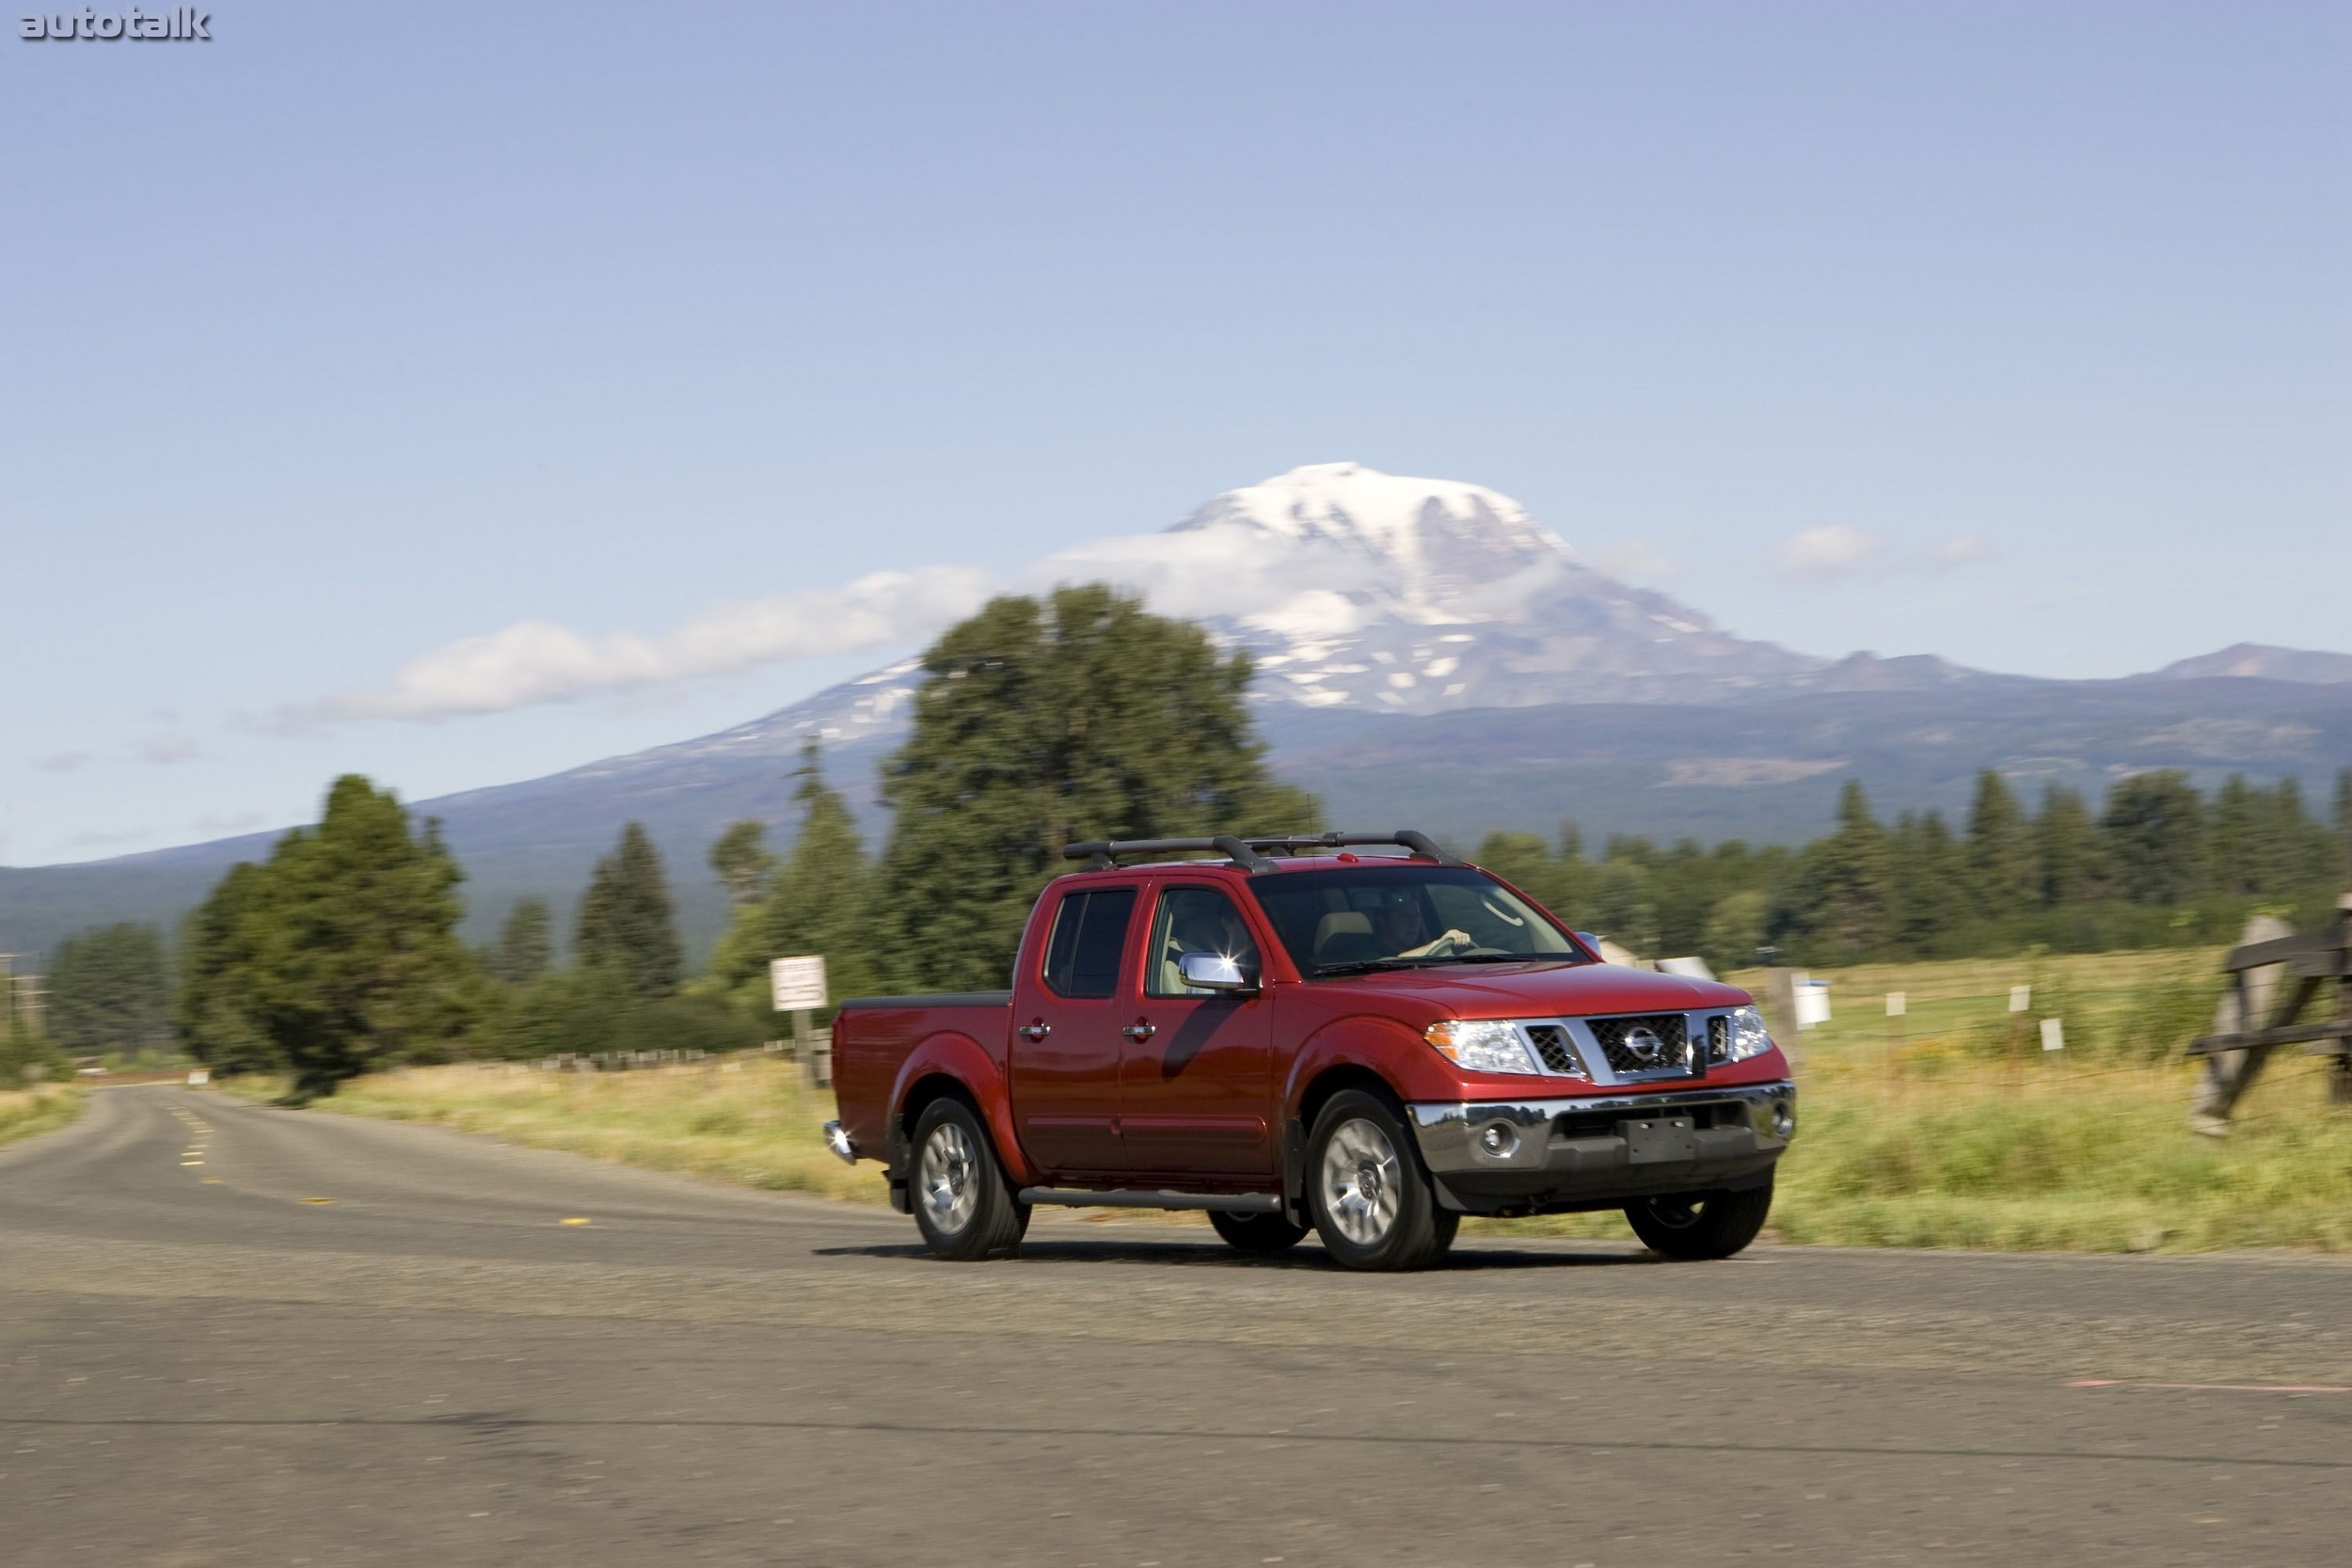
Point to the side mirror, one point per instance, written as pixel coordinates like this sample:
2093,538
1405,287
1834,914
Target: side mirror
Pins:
1215,972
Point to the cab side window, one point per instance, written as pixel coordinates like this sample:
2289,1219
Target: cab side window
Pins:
1089,936
1194,920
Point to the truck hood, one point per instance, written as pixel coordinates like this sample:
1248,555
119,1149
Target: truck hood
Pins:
1544,990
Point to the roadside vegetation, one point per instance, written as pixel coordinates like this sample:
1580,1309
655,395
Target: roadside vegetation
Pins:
26,1112
333,967
1957,1131
751,1120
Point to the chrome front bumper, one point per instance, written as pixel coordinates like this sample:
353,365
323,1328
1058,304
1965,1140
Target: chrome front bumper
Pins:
1584,1140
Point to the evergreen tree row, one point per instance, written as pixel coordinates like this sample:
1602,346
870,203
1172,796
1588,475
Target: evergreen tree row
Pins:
1041,721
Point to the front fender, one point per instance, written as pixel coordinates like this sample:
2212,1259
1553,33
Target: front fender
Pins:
1378,1045
960,1057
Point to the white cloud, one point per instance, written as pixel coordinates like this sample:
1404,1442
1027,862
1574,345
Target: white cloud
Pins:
538,661
1961,549
1635,561
1830,550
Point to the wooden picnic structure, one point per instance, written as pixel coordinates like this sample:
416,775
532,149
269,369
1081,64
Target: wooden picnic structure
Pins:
2275,976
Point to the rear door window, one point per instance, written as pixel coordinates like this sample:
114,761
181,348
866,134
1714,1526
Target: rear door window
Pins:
1089,938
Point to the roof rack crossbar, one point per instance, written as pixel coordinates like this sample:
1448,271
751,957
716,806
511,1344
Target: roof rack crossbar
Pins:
1103,854
1404,838
1249,853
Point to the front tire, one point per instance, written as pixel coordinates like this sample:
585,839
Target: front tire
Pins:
962,1204
1264,1235
1371,1201
1700,1225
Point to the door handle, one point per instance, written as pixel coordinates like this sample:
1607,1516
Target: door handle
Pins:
1139,1031
1034,1031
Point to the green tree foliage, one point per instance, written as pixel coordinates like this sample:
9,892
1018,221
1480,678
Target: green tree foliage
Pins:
1042,722
108,993
741,860
2001,869
219,961
525,948
2344,824
1621,903
1928,875
1736,928
2067,849
2155,830
627,928
337,954
819,900
1845,886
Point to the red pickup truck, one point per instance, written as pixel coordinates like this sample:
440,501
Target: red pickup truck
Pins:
1294,1035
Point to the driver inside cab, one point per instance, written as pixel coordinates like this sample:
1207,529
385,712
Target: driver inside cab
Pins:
1403,931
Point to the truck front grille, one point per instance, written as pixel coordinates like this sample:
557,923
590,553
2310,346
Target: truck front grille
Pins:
1645,1043
1719,1039
1551,1045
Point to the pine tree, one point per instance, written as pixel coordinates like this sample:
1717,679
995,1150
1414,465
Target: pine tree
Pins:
2154,832
1042,722
2233,833
216,1014
741,860
626,932
1925,873
2066,848
823,899
108,992
1621,903
2000,855
337,954
1857,888
526,944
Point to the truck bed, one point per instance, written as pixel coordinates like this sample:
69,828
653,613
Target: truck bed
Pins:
873,1036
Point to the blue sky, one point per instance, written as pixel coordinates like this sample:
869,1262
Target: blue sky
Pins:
365,329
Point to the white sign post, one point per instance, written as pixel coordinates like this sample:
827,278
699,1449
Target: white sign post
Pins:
797,986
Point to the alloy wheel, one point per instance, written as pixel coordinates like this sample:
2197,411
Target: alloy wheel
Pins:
1361,1177
948,1178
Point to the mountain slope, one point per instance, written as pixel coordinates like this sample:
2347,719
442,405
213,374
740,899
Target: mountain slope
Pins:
1428,656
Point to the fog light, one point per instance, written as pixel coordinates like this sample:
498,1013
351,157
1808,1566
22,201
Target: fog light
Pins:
1499,1140
1784,1119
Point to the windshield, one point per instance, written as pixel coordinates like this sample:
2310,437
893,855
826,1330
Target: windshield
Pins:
1354,918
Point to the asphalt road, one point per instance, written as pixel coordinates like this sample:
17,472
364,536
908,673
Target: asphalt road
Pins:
243,1336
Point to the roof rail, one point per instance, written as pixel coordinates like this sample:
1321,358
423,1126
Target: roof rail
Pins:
1103,854
1249,853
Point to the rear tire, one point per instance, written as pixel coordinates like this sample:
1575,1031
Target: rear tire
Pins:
1370,1200
962,1204
1263,1234
1700,1225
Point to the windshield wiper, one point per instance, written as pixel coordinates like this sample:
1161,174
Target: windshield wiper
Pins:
1366,966
1509,959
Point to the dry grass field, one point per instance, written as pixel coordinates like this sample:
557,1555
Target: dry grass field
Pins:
1950,1127
26,1112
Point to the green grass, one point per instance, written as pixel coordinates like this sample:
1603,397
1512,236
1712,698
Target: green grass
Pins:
26,1112
1958,1131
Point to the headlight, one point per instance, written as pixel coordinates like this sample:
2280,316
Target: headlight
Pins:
1482,1045
1749,1038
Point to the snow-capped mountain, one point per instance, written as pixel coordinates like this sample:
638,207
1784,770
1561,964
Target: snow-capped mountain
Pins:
1392,618
1361,590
